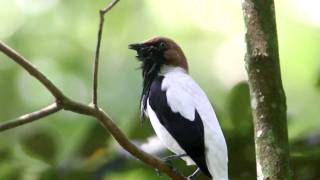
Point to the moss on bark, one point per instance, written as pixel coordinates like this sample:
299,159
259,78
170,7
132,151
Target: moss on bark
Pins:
268,99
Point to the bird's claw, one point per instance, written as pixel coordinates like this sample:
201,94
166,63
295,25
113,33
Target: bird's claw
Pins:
173,157
168,160
193,174
190,177
158,172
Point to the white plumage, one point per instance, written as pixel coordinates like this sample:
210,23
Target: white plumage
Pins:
165,136
185,97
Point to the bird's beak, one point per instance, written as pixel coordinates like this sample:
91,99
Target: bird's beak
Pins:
142,50
137,46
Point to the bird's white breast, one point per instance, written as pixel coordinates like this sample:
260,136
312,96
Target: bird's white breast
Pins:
165,136
184,96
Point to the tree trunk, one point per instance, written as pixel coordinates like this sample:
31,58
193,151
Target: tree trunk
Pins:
268,99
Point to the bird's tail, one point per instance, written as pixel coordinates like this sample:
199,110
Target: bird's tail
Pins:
201,163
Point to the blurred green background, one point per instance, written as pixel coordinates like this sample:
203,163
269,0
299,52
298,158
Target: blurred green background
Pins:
59,37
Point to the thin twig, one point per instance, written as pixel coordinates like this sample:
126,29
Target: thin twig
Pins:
31,70
64,102
28,118
70,105
109,7
97,54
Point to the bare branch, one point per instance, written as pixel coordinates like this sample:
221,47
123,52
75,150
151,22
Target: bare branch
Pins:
97,54
126,144
64,102
28,118
109,7
121,138
33,71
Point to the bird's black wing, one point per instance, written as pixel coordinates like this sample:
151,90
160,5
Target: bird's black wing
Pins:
189,134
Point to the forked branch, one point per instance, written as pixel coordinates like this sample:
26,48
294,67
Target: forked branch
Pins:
97,54
63,102
32,70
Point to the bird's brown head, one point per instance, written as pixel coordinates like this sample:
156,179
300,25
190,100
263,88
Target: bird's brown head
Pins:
159,51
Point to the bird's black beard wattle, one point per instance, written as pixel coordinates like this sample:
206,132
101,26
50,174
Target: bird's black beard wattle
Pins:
150,69
151,58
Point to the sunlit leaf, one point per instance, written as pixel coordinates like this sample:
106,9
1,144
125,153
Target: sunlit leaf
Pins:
134,174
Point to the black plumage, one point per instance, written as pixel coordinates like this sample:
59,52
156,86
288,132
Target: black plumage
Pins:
188,134
152,58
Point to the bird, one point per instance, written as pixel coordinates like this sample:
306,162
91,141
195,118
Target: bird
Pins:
178,109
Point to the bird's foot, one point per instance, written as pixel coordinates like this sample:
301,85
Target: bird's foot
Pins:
169,159
194,174
158,172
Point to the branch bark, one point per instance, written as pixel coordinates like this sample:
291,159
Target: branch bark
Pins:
63,102
32,70
66,103
28,118
102,12
268,99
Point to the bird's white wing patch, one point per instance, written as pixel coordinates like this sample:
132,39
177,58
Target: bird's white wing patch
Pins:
165,136
185,97
180,102
182,93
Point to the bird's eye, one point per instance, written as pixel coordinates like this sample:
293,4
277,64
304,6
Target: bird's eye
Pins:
162,45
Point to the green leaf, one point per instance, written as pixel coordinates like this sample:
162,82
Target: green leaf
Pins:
79,174
318,82
39,144
96,138
238,107
10,171
134,174
65,173
49,174
5,153
140,130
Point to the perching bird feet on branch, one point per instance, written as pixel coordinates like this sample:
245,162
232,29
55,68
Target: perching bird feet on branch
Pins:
194,174
168,160
171,158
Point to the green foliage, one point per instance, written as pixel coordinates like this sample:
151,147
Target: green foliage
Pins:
132,175
39,144
10,171
239,108
96,138
59,38
318,81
